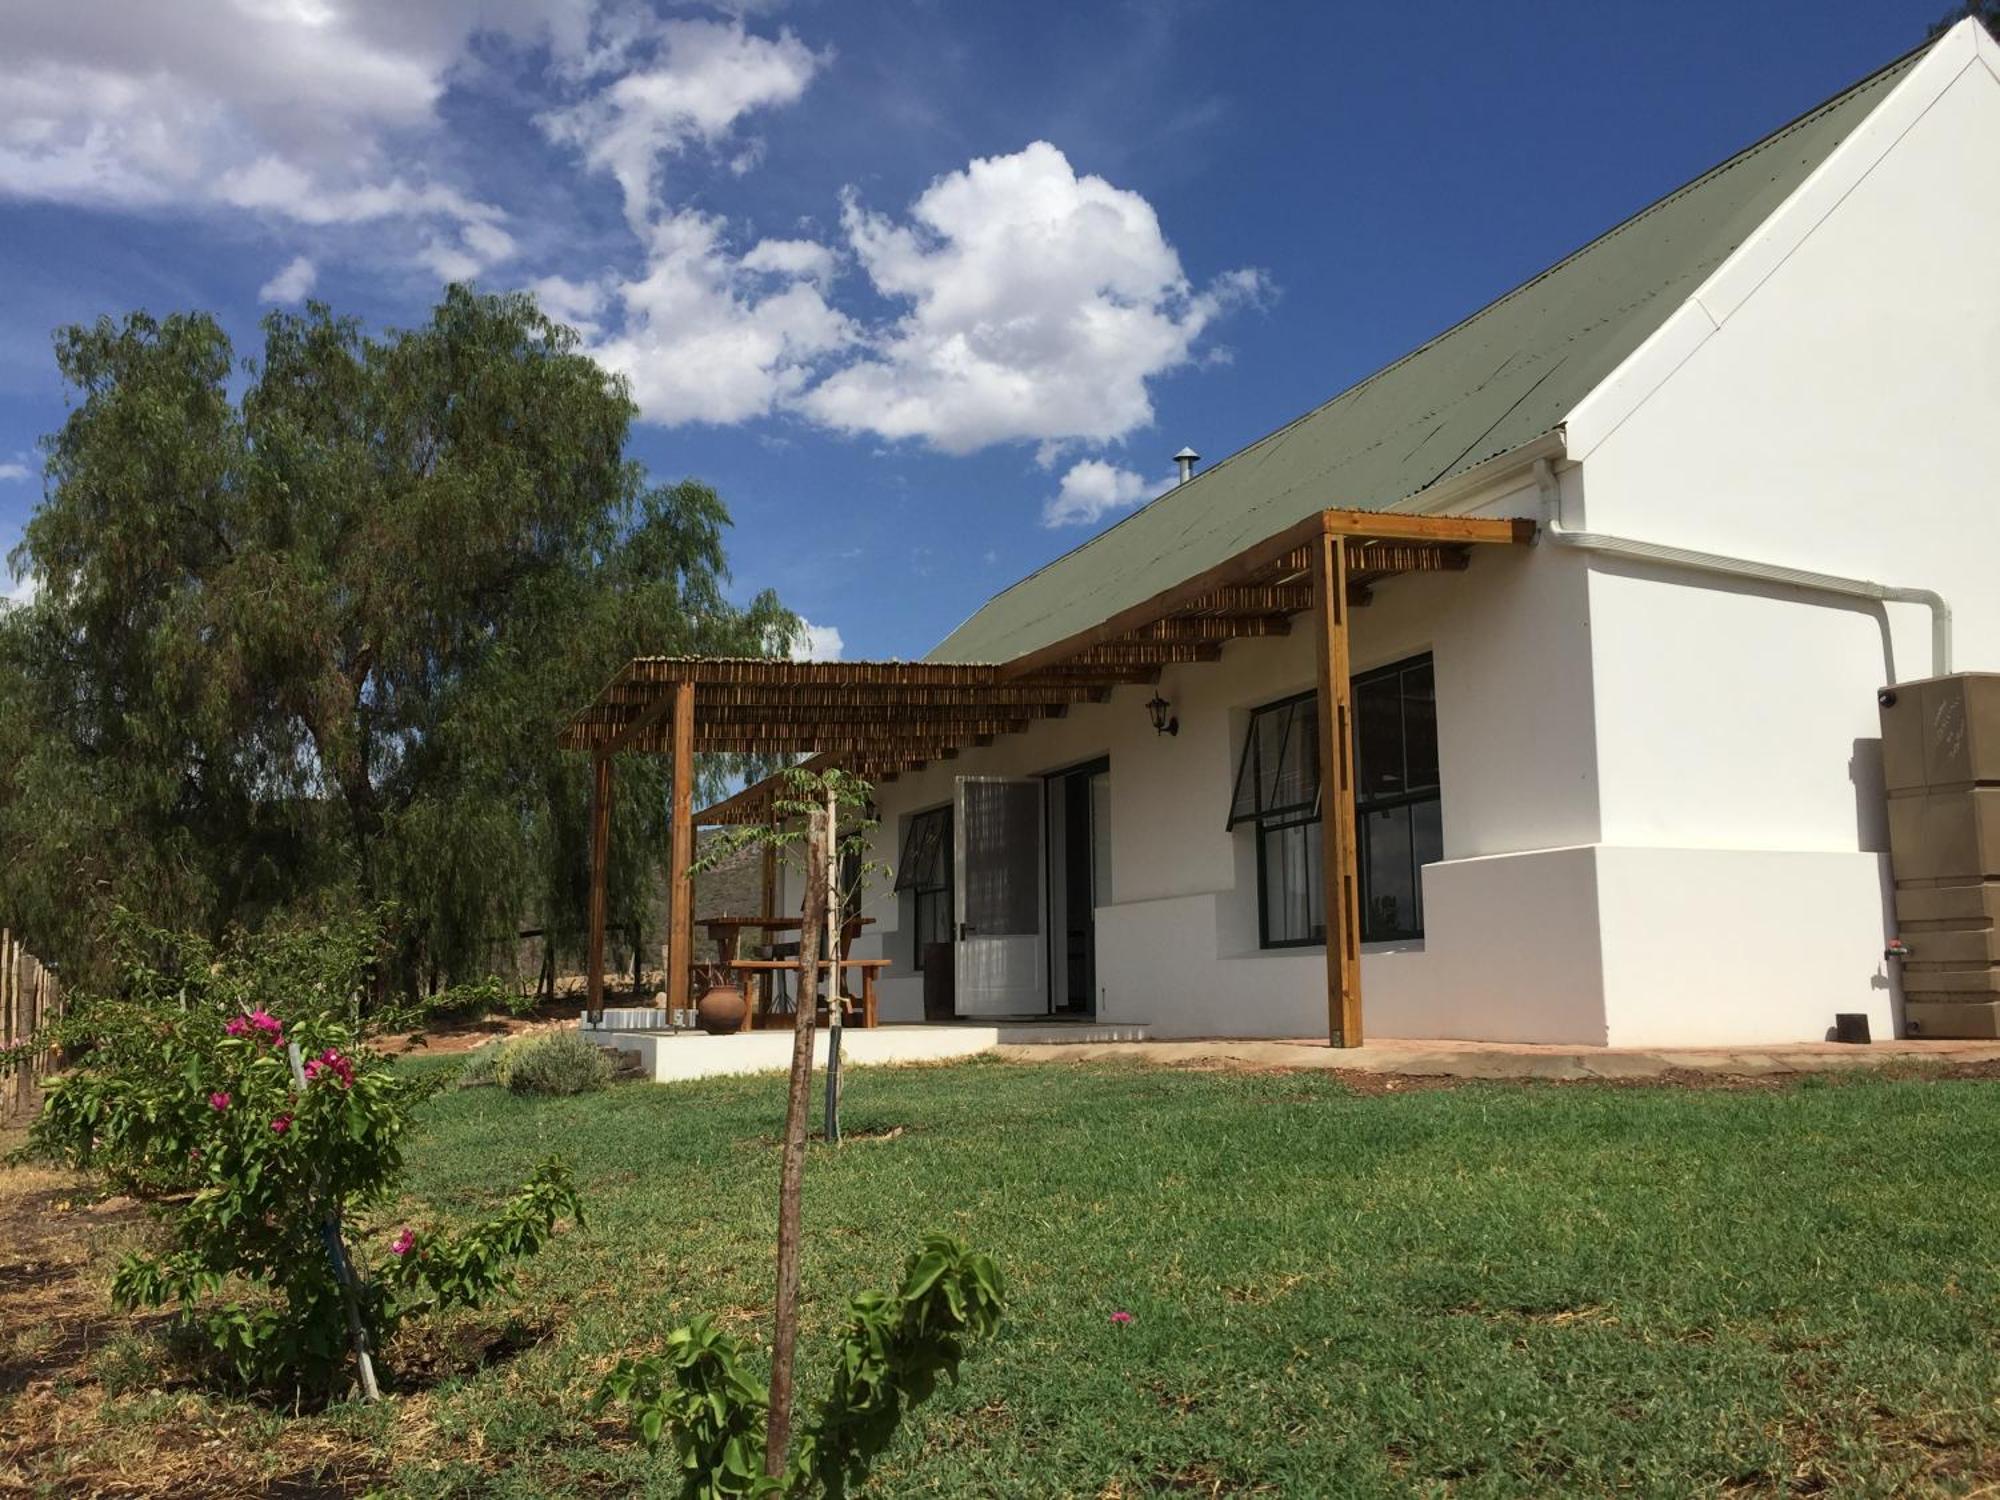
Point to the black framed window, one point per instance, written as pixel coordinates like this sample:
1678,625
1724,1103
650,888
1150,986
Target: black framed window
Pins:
925,872
1397,806
1277,790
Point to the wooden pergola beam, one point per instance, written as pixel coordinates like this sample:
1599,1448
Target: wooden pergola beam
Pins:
635,727
738,807
1127,653
714,737
1252,599
1239,569
726,737
772,718
843,748
624,696
1406,557
1213,628
1106,677
1289,552
782,672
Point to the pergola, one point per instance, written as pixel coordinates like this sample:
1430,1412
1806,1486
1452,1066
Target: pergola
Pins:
879,719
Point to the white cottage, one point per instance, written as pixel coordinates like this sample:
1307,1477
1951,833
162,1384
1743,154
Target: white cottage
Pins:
1603,581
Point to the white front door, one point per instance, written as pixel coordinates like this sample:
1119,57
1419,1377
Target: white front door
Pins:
998,902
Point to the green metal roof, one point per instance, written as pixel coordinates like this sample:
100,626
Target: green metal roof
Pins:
1506,375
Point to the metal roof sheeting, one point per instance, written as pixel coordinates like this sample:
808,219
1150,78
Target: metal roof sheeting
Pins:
1505,376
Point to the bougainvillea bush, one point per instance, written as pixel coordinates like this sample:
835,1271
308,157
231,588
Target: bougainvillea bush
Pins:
237,1088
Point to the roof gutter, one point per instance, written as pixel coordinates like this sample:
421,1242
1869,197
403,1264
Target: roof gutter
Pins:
1739,567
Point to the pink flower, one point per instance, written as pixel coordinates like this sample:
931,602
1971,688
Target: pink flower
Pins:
281,1124
260,1021
404,1242
218,1102
194,1153
330,1061
1121,1317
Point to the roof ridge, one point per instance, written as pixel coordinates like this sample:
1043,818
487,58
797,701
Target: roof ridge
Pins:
1734,160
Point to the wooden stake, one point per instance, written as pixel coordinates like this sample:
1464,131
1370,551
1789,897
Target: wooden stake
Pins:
791,1175
600,857
836,933
1339,845
680,880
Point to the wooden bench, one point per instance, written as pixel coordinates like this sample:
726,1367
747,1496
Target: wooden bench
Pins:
769,968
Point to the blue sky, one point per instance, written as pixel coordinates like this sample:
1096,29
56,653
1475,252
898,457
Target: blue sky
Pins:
930,290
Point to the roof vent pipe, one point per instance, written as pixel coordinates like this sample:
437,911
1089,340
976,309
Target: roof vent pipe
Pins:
1186,459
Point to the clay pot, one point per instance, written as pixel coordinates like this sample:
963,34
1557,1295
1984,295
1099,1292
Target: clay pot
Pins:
721,1010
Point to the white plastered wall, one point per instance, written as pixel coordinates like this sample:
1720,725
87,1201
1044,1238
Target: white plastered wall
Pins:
1511,949
1826,401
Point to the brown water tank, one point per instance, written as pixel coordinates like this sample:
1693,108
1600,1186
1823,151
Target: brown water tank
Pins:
1941,732
1941,766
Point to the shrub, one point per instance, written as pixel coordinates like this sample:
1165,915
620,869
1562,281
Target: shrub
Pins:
279,1127
556,1062
888,1360
483,1066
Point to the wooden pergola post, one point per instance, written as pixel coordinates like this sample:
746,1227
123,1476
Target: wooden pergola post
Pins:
600,864
1339,844
680,877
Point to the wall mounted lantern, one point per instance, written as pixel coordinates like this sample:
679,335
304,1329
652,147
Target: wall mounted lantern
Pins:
1164,721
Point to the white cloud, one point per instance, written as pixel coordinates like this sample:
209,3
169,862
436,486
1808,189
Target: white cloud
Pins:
703,339
1025,302
1040,305
293,281
577,303
703,77
13,473
818,643
306,112
1093,489
14,590
704,332
805,258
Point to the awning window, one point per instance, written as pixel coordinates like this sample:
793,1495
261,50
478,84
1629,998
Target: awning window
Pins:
926,861
1278,776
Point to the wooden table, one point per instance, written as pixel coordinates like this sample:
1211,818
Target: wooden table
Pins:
727,932
770,967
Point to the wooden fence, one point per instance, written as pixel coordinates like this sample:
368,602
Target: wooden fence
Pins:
30,997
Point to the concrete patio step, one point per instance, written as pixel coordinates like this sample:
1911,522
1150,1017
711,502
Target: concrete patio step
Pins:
676,1056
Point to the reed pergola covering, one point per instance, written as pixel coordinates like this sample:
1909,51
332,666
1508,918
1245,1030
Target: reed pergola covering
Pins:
879,719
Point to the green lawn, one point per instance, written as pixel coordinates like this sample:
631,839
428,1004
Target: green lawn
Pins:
1482,1290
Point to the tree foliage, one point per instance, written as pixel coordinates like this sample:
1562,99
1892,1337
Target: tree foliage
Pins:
306,631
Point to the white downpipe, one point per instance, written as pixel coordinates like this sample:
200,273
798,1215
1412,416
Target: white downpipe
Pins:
1740,567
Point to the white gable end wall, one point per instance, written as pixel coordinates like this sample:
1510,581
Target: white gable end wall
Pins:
1825,402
